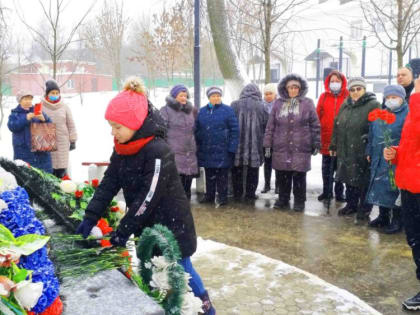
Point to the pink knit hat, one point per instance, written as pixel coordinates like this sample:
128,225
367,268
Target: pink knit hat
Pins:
129,108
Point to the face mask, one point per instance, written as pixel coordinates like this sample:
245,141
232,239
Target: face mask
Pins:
393,103
335,86
54,97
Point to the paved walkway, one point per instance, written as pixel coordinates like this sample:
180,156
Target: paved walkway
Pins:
244,282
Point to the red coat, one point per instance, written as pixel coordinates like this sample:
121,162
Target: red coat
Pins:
327,109
407,173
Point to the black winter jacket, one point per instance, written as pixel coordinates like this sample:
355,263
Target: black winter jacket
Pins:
151,186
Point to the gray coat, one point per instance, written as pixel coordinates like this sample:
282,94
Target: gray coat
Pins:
179,121
293,129
252,118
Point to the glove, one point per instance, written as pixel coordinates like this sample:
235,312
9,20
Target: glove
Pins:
72,146
85,227
315,151
267,153
117,239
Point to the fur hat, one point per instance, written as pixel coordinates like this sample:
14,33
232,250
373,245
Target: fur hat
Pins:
357,81
271,87
212,90
178,89
51,85
394,89
22,93
130,107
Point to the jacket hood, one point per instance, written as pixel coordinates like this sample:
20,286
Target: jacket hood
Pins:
153,125
252,91
343,82
282,85
174,104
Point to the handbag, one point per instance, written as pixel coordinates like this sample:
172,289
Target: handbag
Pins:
43,137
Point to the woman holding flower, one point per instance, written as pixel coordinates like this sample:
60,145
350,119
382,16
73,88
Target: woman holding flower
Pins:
348,143
381,191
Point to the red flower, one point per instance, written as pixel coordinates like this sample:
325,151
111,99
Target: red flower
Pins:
105,243
104,226
390,118
78,194
95,182
115,209
125,253
66,177
374,114
86,182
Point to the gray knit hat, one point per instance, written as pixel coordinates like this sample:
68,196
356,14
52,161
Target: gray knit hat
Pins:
394,89
357,81
22,93
212,90
271,87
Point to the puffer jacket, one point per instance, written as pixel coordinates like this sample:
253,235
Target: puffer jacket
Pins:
328,107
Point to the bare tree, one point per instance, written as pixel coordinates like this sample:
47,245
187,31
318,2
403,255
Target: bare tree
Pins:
395,23
53,40
105,35
270,19
5,50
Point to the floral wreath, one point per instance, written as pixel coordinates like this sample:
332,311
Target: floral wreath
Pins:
163,273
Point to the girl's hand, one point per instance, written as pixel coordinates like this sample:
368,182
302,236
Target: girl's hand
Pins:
390,154
29,116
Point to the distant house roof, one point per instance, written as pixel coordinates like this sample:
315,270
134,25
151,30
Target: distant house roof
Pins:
323,54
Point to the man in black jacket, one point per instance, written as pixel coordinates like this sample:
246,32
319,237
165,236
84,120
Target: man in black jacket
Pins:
405,78
144,167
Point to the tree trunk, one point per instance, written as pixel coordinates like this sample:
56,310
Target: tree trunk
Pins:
267,41
232,71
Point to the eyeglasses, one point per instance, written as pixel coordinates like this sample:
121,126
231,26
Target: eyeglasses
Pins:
358,89
292,87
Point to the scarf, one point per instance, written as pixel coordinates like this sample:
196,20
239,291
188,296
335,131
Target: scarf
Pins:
291,106
131,147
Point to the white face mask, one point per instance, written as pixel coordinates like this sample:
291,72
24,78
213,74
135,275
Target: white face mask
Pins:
335,86
393,103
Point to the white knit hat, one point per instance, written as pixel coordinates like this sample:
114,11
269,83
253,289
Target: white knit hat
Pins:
22,93
270,87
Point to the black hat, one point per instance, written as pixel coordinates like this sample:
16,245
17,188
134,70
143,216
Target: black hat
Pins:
51,85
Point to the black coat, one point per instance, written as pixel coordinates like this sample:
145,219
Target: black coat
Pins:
151,186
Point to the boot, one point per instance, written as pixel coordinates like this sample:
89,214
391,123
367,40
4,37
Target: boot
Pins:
396,222
207,307
412,304
347,210
382,220
323,196
281,204
206,199
266,189
299,206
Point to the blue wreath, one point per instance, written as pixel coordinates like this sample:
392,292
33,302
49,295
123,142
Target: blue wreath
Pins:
19,218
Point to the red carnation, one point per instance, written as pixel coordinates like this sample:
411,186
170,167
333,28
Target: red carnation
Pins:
78,194
115,209
390,118
95,182
104,226
374,114
66,177
105,243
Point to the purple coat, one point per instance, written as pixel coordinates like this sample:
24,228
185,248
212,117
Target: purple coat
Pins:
293,129
179,121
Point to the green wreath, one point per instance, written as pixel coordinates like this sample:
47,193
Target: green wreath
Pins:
163,239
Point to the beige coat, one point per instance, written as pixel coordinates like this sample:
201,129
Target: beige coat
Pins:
60,114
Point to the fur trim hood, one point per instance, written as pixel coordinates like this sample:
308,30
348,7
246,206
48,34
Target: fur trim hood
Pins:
282,85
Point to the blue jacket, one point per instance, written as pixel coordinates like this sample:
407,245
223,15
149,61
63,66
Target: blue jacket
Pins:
216,134
380,191
21,130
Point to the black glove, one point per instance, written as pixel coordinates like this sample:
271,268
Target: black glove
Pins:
85,227
72,146
118,239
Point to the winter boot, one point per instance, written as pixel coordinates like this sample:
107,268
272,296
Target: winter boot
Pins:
347,210
361,215
208,308
299,206
266,189
340,198
281,204
412,304
382,219
396,225
206,199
